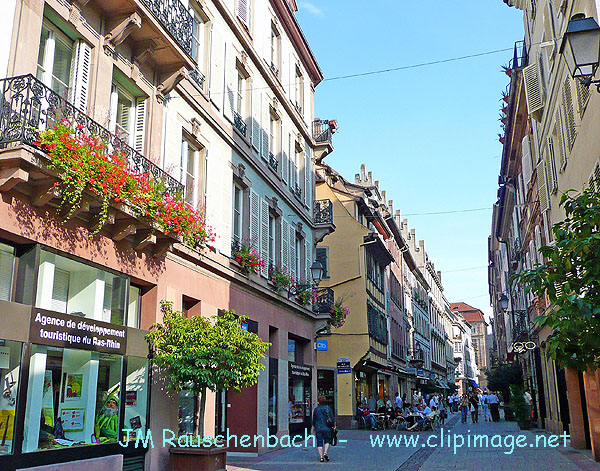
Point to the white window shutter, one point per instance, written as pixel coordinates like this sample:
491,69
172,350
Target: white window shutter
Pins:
81,65
542,186
254,221
285,165
7,264
217,72
307,176
583,96
291,156
60,291
114,104
285,246
594,180
569,113
538,243
292,238
526,159
561,140
308,248
256,120
242,11
266,122
534,92
553,178
264,236
140,125
230,82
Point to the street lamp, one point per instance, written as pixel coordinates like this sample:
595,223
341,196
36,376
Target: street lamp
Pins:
581,48
316,271
504,302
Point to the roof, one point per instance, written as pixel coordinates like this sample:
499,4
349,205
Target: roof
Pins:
470,313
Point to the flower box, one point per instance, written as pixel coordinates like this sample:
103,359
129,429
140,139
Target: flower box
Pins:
197,459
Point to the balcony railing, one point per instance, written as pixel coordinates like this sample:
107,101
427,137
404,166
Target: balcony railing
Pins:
298,107
519,56
273,163
416,355
323,212
324,302
176,19
239,123
321,131
197,77
27,105
297,191
274,69
520,324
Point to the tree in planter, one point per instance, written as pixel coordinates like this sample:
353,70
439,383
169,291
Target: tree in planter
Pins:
200,353
570,278
519,406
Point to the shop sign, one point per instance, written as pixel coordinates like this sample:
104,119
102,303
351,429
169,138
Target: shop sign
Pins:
297,370
431,375
321,345
66,331
343,366
411,371
420,372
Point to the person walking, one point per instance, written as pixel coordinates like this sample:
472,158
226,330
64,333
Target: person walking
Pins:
494,404
398,401
474,401
464,408
485,407
323,424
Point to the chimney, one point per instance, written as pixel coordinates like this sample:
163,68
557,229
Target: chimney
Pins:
370,178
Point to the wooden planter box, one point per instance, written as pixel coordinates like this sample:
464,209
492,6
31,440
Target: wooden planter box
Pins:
197,459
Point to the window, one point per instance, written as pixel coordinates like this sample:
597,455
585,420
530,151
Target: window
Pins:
134,307
7,266
274,49
241,90
188,408
54,59
10,361
79,387
125,111
299,90
271,240
71,287
322,258
199,31
136,395
273,135
128,115
238,209
188,171
298,258
291,350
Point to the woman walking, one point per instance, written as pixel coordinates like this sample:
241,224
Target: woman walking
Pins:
464,408
323,423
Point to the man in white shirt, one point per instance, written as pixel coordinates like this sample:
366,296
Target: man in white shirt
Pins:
424,412
484,401
432,402
398,401
494,404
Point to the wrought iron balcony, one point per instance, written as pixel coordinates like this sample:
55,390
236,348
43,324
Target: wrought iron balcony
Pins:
322,131
239,123
176,19
520,327
324,302
274,69
519,56
323,212
197,77
416,356
297,191
27,105
273,163
298,107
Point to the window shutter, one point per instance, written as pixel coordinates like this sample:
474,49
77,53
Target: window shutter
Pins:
264,236
256,120
583,95
80,74
534,89
561,140
553,183
284,157
526,159
60,291
140,124
254,221
538,243
264,147
291,156
594,180
542,186
569,113
307,176
285,246
322,259
292,238
243,7
217,72
308,248
230,82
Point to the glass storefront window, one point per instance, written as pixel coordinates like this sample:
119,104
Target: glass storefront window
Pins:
7,265
187,412
291,350
273,378
73,398
71,287
136,395
133,310
10,360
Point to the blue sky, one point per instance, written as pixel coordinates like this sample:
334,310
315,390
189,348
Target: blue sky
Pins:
428,134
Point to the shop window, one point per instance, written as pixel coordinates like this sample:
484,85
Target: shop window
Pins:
71,287
188,408
136,395
10,360
273,380
134,307
291,350
73,398
7,266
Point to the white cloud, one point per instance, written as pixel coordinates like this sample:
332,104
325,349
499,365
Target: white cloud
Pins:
311,8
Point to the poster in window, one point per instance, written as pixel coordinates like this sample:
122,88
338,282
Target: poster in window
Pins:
136,422
72,419
74,386
7,422
131,398
296,412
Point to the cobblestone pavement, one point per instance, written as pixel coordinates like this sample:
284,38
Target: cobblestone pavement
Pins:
394,451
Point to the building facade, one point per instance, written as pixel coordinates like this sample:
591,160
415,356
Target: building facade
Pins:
214,100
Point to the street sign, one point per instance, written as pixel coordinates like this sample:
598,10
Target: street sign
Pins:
343,366
411,371
420,372
322,345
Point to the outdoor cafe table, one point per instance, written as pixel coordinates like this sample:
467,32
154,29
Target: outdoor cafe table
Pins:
413,418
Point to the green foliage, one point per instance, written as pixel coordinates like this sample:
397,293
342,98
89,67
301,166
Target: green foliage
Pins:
519,406
571,280
197,354
501,377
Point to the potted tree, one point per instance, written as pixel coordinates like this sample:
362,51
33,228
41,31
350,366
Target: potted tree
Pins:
520,407
500,379
198,354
